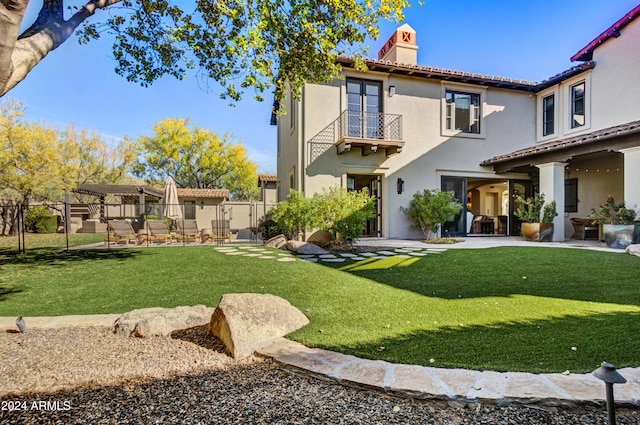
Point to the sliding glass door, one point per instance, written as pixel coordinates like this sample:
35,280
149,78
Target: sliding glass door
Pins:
456,226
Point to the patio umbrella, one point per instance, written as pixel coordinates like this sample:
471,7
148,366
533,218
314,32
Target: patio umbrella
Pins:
171,204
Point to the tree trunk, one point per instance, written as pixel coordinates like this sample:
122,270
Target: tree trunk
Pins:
9,215
20,54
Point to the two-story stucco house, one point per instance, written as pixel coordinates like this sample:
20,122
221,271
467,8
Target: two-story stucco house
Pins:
400,128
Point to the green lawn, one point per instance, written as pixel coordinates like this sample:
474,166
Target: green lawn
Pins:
516,308
51,240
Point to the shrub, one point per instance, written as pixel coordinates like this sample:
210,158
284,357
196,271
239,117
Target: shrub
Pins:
38,219
430,209
343,212
295,215
267,228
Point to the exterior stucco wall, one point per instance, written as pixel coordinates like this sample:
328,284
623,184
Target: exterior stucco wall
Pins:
508,121
288,149
615,88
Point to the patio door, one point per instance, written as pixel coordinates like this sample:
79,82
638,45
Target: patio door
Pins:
373,184
364,104
456,226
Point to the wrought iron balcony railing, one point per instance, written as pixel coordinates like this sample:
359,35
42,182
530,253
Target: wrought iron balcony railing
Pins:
369,131
370,125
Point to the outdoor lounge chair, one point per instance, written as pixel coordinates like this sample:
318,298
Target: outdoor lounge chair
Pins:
221,230
158,230
188,230
120,230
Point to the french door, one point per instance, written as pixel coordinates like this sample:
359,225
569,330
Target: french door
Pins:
373,184
364,105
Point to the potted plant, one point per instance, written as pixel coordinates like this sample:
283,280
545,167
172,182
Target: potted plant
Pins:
536,216
617,222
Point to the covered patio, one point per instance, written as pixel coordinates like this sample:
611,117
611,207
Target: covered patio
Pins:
580,172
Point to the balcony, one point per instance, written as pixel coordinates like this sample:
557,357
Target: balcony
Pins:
368,131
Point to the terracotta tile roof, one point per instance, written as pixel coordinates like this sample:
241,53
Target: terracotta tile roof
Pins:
593,137
202,193
268,178
586,53
467,77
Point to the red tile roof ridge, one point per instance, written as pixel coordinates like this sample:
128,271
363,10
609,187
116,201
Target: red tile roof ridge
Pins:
534,85
591,137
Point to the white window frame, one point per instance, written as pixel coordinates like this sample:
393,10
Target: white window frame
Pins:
555,92
567,106
463,88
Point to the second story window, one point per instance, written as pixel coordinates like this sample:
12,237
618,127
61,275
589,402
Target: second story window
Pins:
548,115
577,105
462,112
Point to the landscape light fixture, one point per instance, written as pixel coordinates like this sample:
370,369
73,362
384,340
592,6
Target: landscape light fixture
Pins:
608,373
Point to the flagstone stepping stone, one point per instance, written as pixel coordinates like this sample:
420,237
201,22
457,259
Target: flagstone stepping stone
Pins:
368,254
358,258
436,249
306,256
267,257
348,254
235,253
379,257
418,254
283,259
251,254
311,260
404,256
327,256
222,249
386,253
333,260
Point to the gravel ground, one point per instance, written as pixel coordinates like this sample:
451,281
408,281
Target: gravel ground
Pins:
90,376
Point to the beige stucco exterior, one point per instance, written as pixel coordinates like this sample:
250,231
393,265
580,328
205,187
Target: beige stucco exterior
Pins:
510,120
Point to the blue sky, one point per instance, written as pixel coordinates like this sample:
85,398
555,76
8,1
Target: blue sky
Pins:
530,40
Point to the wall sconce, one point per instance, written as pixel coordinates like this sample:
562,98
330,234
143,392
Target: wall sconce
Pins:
392,91
400,186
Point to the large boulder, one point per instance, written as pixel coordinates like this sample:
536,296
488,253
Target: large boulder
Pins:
305,248
158,321
320,236
246,322
279,241
634,249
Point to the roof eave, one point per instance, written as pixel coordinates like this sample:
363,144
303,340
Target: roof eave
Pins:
586,53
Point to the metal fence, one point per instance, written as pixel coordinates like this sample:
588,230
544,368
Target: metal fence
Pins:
217,223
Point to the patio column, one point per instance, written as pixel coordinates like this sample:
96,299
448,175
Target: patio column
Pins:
552,185
632,176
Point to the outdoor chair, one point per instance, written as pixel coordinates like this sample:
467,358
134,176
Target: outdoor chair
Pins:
188,230
585,227
120,230
158,230
221,230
